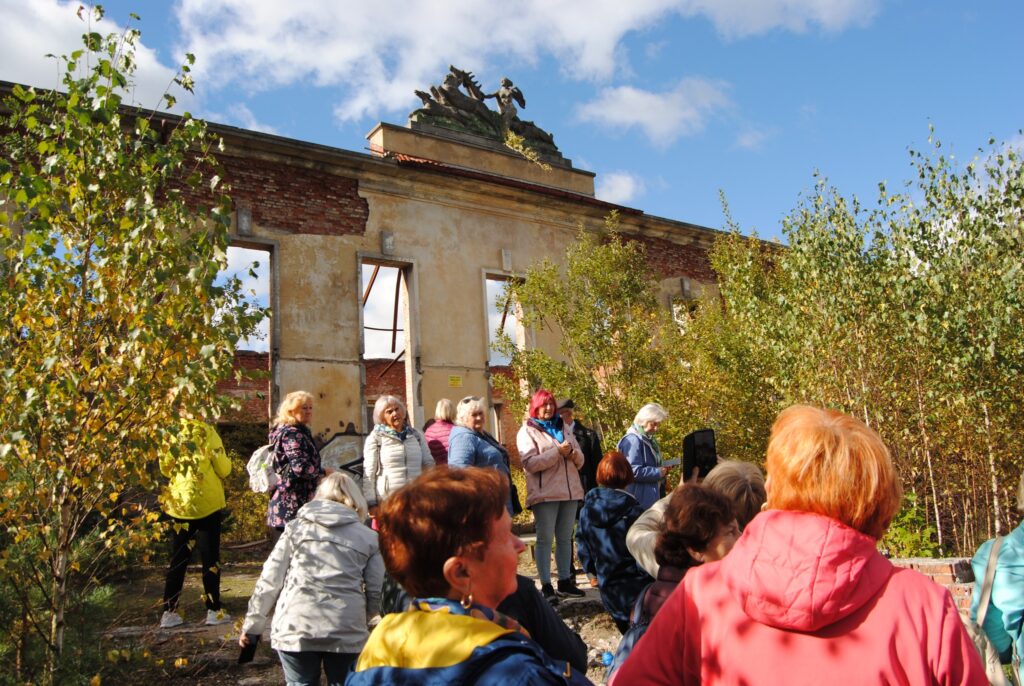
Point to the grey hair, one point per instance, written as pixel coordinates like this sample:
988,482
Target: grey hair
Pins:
651,412
341,488
743,484
467,406
382,404
444,410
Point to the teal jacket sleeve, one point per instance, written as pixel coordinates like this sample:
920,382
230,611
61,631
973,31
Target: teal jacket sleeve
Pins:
1006,608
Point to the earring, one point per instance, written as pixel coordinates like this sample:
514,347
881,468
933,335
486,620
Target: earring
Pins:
467,601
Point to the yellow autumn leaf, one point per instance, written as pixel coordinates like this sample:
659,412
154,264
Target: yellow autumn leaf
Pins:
95,681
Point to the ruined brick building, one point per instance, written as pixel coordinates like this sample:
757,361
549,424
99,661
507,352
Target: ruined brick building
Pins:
452,210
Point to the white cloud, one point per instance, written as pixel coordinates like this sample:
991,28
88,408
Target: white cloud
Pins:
255,288
31,30
619,187
377,53
739,18
663,117
379,313
242,116
240,260
752,137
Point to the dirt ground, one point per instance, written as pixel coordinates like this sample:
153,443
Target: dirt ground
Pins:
140,652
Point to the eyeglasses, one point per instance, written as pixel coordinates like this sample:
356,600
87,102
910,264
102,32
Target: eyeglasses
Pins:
469,399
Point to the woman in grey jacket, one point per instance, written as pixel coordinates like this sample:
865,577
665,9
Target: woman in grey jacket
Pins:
323,582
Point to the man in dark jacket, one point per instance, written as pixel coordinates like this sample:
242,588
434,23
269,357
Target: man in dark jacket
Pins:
589,442
528,607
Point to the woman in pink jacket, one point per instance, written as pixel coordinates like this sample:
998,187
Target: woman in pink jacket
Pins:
804,596
552,459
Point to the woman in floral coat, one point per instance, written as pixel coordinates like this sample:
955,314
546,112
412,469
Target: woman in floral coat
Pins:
296,459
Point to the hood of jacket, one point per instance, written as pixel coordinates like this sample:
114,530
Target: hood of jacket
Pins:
802,571
605,506
328,513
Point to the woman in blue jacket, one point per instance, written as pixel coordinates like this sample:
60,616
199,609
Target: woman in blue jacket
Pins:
608,512
644,454
469,444
1006,606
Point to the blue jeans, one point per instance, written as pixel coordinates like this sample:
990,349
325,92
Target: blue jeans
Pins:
303,669
555,519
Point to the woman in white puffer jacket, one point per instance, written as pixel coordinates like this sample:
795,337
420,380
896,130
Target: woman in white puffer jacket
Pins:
323,582
395,453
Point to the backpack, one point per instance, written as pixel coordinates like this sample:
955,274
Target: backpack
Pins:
989,654
262,477
638,623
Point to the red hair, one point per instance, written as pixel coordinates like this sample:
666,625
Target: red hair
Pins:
614,471
443,513
538,399
832,464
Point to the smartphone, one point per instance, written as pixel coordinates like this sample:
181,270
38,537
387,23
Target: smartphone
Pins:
699,452
248,652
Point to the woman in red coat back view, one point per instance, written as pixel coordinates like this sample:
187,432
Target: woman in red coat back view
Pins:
805,597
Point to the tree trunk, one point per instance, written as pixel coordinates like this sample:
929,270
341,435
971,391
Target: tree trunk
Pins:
59,593
925,446
997,514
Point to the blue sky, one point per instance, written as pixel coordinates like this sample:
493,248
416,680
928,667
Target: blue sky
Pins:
668,101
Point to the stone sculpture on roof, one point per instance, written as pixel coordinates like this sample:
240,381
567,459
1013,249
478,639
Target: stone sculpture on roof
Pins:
459,104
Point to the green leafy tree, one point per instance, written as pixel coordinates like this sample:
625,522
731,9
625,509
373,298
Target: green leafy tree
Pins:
113,228
617,342
908,316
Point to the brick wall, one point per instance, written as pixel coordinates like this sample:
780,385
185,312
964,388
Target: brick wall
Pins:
953,573
255,381
668,259
295,198
509,421
390,382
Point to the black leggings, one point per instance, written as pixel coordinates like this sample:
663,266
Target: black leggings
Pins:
206,533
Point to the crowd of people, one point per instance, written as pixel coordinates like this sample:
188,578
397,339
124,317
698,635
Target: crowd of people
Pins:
734,578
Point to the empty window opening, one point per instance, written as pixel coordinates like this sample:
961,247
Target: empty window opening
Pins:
384,302
502,318
387,340
253,359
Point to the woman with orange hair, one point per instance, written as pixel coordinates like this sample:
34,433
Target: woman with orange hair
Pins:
447,539
805,594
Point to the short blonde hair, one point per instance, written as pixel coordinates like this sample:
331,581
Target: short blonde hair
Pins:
444,412
651,412
382,404
832,464
467,406
743,484
341,488
287,411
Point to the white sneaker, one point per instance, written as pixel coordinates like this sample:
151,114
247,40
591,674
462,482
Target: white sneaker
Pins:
170,620
215,617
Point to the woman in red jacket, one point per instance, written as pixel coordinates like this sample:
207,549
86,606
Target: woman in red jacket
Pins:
805,596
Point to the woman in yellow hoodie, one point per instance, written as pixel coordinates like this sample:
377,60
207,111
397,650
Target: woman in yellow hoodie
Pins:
194,500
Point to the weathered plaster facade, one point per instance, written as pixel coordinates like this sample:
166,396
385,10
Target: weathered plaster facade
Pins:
450,211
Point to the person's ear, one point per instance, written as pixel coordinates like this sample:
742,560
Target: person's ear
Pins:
456,574
697,555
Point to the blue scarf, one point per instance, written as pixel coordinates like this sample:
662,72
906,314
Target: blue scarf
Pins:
388,431
553,427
